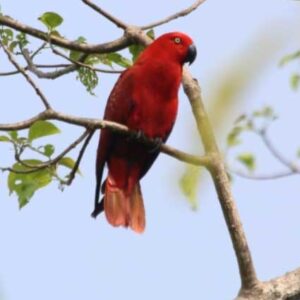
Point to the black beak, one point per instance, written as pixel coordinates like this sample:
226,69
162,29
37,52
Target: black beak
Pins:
191,54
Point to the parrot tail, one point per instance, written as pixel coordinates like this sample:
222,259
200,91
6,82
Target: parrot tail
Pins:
122,209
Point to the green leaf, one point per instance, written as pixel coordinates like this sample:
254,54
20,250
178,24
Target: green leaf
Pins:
13,134
290,57
151,34
69,163
265,112
135,49
4,138
233,137
240,119
189,185
248,160
40,129
295,81
12,46
94,59
51,20
7,35
49,150
119,60
88,78
75,55
25,185
22,39
298,153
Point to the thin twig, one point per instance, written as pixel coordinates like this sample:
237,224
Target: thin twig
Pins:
81,152
10,73
273,176
105,14
276,154
179,14
27,77
78,63
38,50
52,162
48,75
41,66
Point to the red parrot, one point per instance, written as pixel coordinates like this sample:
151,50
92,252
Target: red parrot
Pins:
145,99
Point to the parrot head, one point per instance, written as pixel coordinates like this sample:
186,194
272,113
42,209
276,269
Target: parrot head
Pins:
174,46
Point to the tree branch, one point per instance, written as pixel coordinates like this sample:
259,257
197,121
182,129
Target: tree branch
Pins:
222,184
27,77
47,75
81,152
112,46
105,14
93,124
286,287
276,154
79,63
177,15
273,176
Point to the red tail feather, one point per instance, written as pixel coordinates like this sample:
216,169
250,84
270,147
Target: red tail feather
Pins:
122,209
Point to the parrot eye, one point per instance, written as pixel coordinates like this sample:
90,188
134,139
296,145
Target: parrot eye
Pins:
177,40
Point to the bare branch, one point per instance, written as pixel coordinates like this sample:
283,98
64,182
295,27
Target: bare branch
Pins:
27,77
36,66
222,184
100,124
105,14
276,154
179,14
38,50
10,73
81,152
78,63
48,75
112,46
273,176
286,287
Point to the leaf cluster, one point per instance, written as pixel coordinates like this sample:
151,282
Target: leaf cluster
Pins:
26,176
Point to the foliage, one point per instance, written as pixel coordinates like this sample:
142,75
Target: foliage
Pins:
295,78
27,176
189,185
51,19
136,49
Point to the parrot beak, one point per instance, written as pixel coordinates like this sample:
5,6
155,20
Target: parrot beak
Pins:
191,54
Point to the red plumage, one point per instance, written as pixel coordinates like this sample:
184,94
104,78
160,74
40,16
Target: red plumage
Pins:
145,98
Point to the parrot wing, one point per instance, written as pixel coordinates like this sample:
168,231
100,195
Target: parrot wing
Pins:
118,109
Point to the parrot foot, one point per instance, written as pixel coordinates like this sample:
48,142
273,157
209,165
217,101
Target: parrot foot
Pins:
157,142
139,135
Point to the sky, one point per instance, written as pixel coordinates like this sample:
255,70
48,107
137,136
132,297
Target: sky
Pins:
52,249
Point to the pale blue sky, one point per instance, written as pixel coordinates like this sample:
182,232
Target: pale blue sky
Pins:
52,249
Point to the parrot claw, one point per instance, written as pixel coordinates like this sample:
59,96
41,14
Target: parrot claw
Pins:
139,135
157,142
